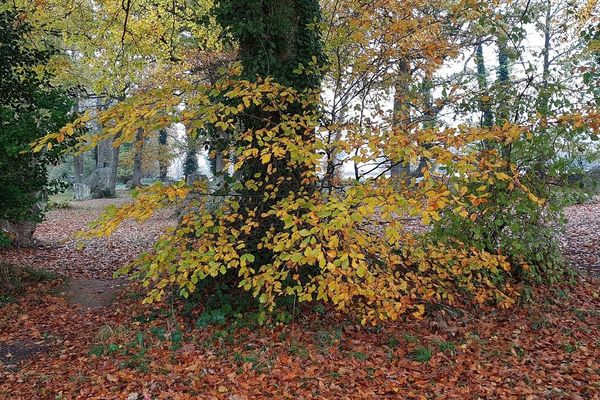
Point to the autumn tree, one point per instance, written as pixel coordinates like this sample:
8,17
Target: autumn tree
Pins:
31,107
279,231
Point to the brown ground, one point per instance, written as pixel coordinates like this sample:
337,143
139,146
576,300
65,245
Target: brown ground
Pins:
67,341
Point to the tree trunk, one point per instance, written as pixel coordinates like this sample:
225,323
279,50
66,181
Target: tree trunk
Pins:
136,180
102,182
78,168
401,116
503,81
487,118
77,159
21,232
163,166
190,166
114,164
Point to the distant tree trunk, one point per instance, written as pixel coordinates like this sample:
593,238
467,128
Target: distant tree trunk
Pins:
544,90
503,81
78,168
136,180
104,154
102,182
163,166
104,147
333,161
81,191
77,159
487,118
190,166
217,166
114,164
401,114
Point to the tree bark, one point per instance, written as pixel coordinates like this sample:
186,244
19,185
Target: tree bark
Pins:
78,168
401,115
136,179
21,232
163,166
114,164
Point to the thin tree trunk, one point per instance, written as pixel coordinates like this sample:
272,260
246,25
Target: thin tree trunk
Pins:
77,159
401,115
136,180
487,118
114,164
163,166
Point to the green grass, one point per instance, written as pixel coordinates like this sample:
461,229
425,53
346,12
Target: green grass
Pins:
409,338
358,355
447,347
324,339
297,349
7,299
421,354
13,278
393,342
569,348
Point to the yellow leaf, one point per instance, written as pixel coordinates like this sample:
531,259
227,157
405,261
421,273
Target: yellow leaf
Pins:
426,219
361,271
502,176
265,158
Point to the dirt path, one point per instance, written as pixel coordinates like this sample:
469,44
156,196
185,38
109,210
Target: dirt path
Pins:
88,272
57,251
581,240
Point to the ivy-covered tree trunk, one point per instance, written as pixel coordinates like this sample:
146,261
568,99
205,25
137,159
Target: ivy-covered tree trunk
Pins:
163,166
503,82
487,117
274,37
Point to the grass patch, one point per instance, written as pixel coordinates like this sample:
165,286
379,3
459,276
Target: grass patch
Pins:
569,348
59,204
393,342
297,349
409,338
421,354
13,279
325,339
517,351
358,355
447,347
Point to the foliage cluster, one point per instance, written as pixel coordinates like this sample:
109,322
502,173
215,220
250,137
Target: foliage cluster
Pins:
31,107
350,248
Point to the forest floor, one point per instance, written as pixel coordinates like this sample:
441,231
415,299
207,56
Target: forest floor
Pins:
83,337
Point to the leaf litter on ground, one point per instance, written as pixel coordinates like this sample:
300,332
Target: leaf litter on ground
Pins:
548,348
